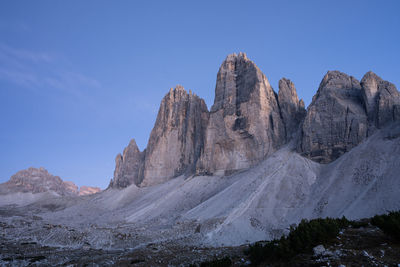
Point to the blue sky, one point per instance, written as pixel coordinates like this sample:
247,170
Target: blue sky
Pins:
79,79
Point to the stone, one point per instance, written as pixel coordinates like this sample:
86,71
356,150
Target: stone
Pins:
245,123
382,100
128,167
292,109
319,250
177,138
336,119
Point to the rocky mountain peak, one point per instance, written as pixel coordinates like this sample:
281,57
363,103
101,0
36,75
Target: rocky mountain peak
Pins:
249,120
334,80
245,123
38,180
177,138
234,57
336,120
292,109
236,80
381,100
128,166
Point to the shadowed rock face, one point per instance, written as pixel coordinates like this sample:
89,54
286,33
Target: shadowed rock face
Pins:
292,109
344,112
381,100
245,123
177,138
336,120
128,167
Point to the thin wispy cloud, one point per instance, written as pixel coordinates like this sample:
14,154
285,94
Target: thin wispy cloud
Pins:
42,72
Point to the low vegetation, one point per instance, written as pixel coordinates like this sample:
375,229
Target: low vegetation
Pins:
389,224
308,234
301,239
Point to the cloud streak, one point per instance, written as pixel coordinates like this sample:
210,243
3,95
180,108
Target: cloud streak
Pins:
42,72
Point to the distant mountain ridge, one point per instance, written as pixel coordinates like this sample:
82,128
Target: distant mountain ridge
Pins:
39,180
249,121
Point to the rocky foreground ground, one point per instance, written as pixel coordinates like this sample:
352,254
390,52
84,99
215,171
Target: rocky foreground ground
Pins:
364,246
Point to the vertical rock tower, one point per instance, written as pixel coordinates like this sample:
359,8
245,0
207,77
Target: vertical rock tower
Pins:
344,112
336,120
382,100
245,123
177,138
292,109
128,167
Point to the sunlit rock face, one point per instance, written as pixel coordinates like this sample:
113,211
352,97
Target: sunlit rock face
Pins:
336,120
245,123
292,109
381,99
128,167
88,190
177,138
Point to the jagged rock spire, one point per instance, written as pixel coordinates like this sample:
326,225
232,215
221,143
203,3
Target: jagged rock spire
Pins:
177,138
128,167
292,109
382,100
336,120
245,123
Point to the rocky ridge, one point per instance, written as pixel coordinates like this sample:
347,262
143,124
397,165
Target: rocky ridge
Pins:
249,121
39,180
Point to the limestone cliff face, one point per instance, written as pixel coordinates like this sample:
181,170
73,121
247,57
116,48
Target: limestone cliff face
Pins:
128,167
248,121
336,120
344,112
177,138
381,100
292,110
245,123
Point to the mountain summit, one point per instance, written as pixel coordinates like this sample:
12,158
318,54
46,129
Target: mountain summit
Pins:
249,121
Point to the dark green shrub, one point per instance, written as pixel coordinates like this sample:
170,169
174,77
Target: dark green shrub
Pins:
301,239
389,224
